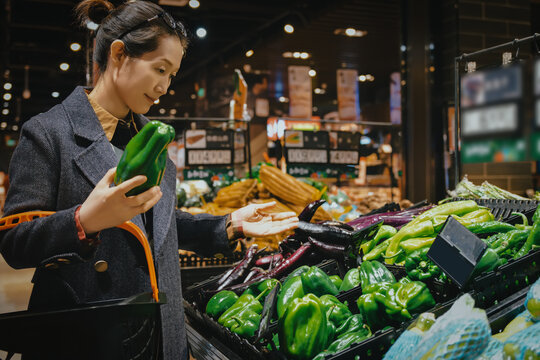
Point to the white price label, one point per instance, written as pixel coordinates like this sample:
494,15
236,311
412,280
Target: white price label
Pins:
490,120
343,157
307,156
209,157
239,156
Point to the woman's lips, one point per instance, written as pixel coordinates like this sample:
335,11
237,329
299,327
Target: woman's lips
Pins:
149,99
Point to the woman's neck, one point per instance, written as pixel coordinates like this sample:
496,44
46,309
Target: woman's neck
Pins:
108,98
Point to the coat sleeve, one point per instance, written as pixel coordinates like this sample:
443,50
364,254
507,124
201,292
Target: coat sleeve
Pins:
204,234
34,178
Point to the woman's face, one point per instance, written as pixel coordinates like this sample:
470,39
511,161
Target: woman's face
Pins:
141,81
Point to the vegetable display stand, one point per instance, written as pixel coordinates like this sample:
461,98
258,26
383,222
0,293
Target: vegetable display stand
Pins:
503,208
113,329
195,269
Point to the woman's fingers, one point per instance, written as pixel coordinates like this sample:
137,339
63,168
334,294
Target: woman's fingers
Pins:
284,215
131,183
108,178
140,199
264,206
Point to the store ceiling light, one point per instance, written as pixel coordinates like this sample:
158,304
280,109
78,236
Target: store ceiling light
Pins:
162,111
14,128
92,25
55,94
370,77
75,46
7,86
289,29
64,66
351,32
249,53
304,55
319,91
362,78
3,125
297,55
283,99
156,102
201,32
5,112
194,4
172,111
312,73
7,96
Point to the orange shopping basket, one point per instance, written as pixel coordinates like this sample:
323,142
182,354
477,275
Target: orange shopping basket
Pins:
112,329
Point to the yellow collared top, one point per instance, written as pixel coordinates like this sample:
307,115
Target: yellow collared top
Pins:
107,120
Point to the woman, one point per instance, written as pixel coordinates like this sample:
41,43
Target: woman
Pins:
65,163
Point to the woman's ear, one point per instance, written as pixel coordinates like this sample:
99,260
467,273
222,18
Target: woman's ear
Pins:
117,52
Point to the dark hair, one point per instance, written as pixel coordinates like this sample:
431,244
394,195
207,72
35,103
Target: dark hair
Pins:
117,21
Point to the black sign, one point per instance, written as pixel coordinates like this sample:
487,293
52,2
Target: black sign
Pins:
306,139
214,147
344,140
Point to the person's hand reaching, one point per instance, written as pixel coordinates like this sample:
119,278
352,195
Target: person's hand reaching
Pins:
107,206
255,222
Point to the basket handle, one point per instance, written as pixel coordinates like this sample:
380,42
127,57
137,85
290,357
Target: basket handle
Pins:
11,221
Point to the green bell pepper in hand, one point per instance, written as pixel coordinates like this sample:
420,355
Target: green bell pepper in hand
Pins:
291,289
220,302
317,282
145,154
419,267
303,328
336,311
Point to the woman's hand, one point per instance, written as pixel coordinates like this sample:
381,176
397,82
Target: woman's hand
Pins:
107,206
256,223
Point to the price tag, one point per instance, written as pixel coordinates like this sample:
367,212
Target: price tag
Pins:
498,119
307,156
209,157
343,157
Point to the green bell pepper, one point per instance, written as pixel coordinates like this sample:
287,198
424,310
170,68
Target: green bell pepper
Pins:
337,311
291,289
511,240
369,308
343,343
336,280
373,272
243,303
317,282
488,262
419,267
245,322
145,154
220,302
350,280
414,296
263,286
303,328
296,272
352,324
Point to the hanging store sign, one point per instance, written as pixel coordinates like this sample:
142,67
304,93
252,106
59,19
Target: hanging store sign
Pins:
347,94
300,101
492,120
492,86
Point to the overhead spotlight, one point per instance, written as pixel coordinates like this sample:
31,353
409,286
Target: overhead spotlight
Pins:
156,102
304,55
3,125
172,92
75,46
370,77
7,86
162,111
312,73
7,96
317,91
92,25
64,66
289,29
193,96
283,99
201,32
172,111
5,112
249,53
362,78
350,32
296,54
403,48
14,128
55,94
194,4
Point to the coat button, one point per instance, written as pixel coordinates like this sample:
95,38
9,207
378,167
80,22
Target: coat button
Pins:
101,266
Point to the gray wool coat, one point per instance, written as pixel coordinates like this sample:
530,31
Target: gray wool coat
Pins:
61,156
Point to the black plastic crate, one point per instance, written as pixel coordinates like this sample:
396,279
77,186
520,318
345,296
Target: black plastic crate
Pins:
199,261
503,208
507,279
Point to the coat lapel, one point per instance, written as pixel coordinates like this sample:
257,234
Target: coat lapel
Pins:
95,160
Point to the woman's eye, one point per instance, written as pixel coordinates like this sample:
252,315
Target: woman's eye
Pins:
161,71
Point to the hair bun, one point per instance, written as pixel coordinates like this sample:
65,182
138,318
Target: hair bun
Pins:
94,10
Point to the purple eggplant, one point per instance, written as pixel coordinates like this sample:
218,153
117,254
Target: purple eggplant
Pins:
265,261
336,223
310,210
394,218
327,234
330,250
240,269
253,272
